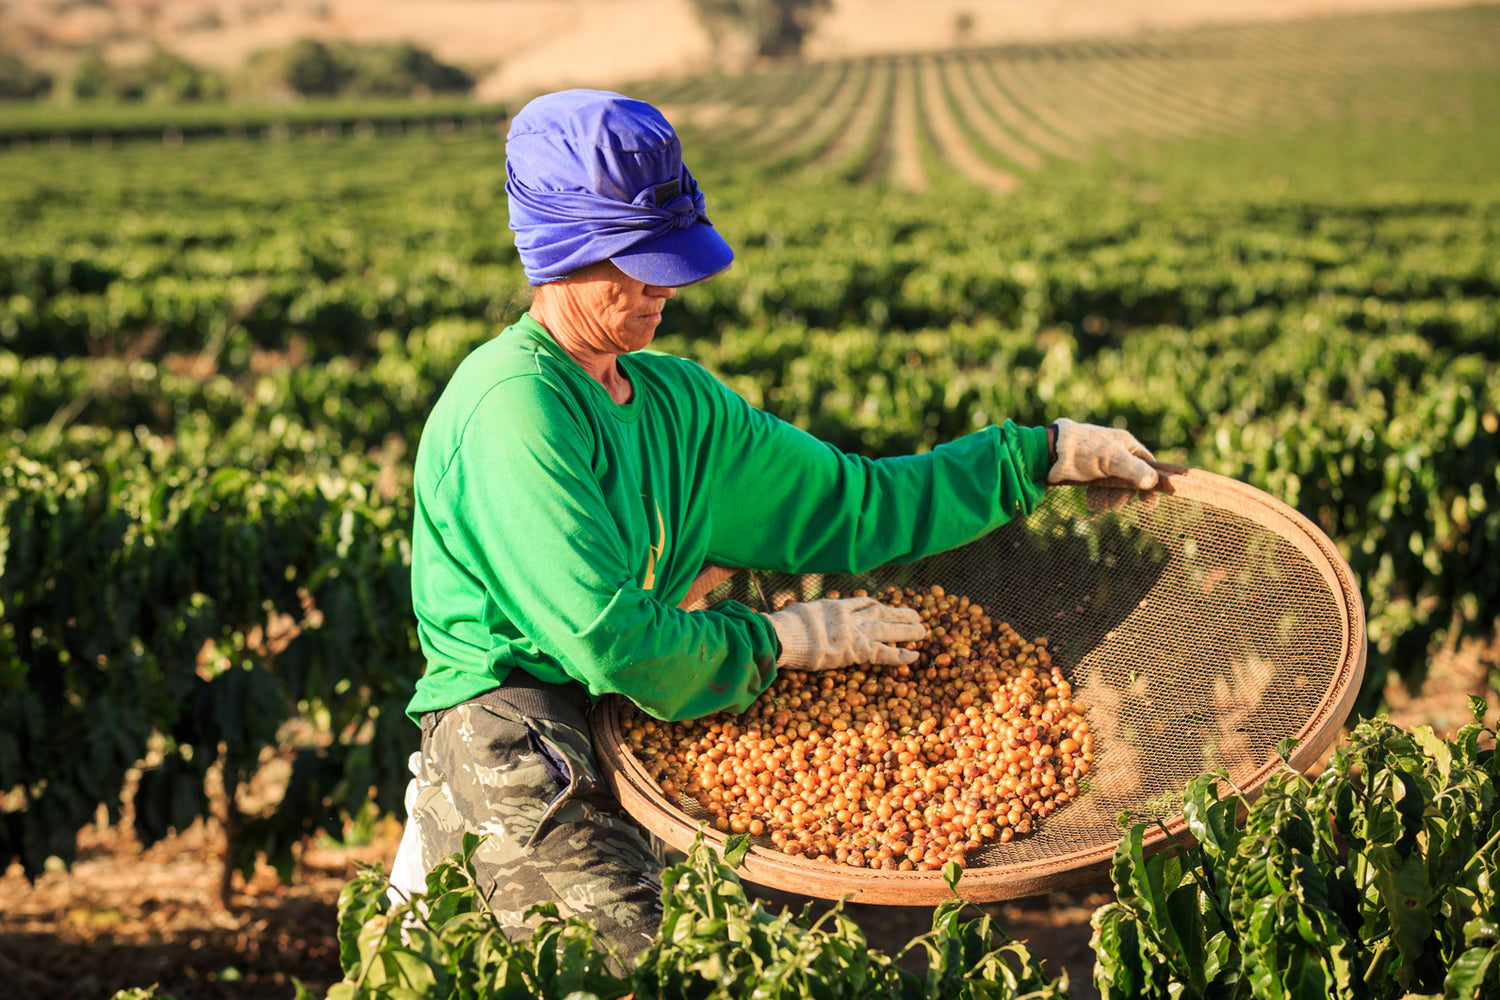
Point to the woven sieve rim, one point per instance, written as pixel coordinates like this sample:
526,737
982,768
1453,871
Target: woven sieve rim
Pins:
643,799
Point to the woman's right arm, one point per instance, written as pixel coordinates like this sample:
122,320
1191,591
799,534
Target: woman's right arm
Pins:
519,507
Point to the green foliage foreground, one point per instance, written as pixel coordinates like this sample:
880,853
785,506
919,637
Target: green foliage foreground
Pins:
713,942
1375,880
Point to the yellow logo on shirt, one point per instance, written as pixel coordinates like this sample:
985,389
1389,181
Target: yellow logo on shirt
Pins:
655,551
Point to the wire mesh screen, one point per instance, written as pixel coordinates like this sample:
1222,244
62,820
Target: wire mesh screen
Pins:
1201,627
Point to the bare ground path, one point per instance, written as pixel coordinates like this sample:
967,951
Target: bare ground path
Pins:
907,170
948,135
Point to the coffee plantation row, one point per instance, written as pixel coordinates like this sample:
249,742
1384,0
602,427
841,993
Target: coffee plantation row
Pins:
184,617
995,115
322,259
53,124
108,260
216,361
1394,469
1376,881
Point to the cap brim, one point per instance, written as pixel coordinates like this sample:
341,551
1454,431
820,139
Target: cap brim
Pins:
679,257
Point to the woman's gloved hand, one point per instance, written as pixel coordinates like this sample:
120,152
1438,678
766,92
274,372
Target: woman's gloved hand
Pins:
830,634
1086,452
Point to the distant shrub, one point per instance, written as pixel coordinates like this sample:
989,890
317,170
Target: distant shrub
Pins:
306,67
254,10
393,70
166,77
91,79
773,29
20,81
963,27
203,19
162,78
311,68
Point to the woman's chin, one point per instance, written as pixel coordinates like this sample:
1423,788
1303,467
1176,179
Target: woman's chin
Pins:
641,332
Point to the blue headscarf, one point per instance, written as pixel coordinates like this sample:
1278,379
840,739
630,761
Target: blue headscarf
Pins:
591,174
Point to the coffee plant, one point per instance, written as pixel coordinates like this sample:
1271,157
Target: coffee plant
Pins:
1373,881
714,943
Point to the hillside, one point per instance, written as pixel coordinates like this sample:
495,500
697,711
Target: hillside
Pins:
519,46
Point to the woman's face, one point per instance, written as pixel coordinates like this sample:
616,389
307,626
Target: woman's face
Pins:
614,311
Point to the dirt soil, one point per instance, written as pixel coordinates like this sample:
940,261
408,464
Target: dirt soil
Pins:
125,917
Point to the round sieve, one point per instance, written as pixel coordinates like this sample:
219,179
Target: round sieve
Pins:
1203,623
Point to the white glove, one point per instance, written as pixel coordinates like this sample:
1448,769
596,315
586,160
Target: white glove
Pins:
1086,452
830,634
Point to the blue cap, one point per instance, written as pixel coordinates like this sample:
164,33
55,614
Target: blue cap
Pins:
593,175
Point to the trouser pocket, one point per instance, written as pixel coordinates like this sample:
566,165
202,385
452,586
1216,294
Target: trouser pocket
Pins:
510,760
487,777
567,758
552,828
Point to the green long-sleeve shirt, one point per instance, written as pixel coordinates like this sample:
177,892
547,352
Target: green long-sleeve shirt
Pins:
557,530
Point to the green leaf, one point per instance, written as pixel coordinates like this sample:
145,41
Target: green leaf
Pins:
952,872
1404,893
1216,956
1305,978
736,846
1482,928
1148,878
1173,871
469,845
360,901
1436,748
1188,930
1211,820
1118,972
1468,972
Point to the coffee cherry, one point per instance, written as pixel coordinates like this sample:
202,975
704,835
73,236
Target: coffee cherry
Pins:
896,768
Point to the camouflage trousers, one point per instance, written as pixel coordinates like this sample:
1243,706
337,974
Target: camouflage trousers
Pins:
517,765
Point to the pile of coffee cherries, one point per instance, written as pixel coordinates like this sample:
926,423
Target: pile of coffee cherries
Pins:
898,768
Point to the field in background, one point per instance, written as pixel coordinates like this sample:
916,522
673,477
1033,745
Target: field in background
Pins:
519,47
995,116
1268,250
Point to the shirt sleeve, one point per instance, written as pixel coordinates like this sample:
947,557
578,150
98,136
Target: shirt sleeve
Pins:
783,500
529,518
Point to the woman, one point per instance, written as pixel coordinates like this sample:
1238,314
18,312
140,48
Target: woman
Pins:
569,489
